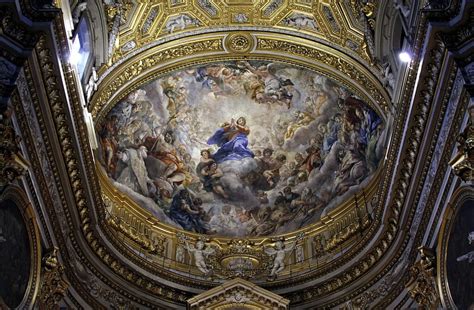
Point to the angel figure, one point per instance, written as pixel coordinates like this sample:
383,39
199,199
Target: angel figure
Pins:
91,86
279,251
200,253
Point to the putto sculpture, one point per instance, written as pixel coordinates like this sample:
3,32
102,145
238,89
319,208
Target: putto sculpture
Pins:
200,253
279,250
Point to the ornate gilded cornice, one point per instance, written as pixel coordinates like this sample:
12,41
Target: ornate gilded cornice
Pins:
12,163
463,161
159,60
421,286
20,28
53,284
460,100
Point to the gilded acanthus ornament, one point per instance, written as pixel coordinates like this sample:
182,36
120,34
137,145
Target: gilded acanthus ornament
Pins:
53,283
463,161
422,286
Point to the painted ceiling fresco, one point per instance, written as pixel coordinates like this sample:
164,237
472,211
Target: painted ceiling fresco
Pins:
241,148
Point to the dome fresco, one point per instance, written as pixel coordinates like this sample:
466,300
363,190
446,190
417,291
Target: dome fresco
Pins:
241,149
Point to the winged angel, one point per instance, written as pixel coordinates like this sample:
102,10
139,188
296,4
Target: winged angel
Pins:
200,253
279,251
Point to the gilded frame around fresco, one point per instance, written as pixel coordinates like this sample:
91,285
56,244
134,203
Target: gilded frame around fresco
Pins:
462,195
241,45
16,195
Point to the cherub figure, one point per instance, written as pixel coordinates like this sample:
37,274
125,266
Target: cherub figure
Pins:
200,253
279,251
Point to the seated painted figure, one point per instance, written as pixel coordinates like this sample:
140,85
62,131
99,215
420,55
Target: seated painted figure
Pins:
232,141
188,213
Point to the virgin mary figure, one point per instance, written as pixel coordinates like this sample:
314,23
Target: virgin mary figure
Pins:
232,141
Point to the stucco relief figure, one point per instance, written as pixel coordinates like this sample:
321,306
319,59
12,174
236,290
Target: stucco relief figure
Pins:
200,253
180,254
301,21
280,250
180,22
468,256
404,9
91,86
76,13
299,252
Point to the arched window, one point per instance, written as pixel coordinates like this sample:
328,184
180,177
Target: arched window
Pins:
81,52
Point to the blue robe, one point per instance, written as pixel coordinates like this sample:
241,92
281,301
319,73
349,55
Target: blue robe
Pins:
234,149
189,222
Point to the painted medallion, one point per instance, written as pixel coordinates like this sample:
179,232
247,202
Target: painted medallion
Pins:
460,257
15,254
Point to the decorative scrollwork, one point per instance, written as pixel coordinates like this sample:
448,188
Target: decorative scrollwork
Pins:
54,285
12,163
421,286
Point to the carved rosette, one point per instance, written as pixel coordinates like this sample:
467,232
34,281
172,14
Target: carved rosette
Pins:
239,43
54,285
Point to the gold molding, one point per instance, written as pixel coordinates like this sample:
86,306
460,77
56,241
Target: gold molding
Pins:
423,107
138,228
222,14
208,48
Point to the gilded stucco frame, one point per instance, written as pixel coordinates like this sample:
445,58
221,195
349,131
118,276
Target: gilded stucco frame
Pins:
212,47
